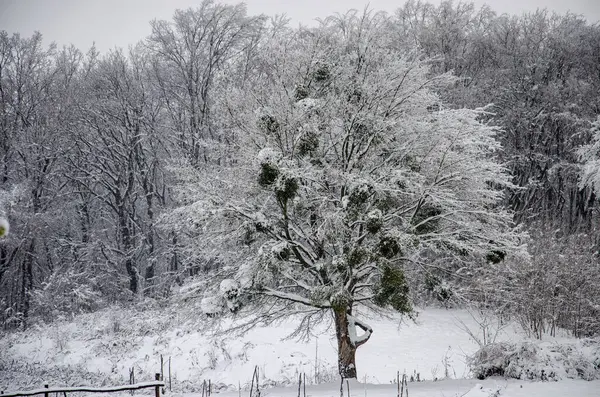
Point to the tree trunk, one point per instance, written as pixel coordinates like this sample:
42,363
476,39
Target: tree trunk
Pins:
3,262
149,193
346,349
27,282
348,340
127,245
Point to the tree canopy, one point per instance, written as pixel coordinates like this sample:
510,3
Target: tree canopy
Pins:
351,170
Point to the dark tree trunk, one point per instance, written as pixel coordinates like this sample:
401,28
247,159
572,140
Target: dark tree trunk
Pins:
3,262
174,264
126,240
149,192
27,282
346,349
85,220
133,276
344,321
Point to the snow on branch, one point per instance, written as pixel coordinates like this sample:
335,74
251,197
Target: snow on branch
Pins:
292,298
354,338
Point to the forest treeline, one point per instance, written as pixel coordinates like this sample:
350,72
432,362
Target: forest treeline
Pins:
99,151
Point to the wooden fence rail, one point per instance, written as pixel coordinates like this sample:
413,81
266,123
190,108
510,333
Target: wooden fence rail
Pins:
157,384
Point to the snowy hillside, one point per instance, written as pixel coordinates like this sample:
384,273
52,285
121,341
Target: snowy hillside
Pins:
100,349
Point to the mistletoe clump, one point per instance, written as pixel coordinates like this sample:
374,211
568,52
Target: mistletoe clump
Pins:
269,171
308,144
269,124
268,174
389,247
392,290
301,92
374,221
322,72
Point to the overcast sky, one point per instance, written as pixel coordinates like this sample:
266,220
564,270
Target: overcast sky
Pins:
111,23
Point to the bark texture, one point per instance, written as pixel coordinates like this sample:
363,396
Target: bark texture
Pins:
346,349
348,341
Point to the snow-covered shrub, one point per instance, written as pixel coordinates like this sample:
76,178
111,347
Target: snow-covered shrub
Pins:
592,346
537,361
17,374
232,292
74,291
60,338
325,373
212,305
489,326
217,353
556,289
115,323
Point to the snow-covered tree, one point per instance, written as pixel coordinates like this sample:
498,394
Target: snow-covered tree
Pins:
190,51
589,155
350,171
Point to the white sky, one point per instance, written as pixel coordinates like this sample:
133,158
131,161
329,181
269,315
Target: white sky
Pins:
120,23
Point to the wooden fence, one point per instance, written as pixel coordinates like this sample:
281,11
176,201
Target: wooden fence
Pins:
157,384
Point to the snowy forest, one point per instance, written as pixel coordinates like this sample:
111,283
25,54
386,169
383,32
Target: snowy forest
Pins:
439,155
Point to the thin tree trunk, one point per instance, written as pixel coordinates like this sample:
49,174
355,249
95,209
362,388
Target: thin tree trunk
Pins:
126,240
150,270
27,282
3,262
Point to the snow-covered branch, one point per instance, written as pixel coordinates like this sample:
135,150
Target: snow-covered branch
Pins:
356,340
292,298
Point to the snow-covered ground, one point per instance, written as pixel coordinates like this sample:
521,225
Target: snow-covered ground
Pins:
100,349
447,388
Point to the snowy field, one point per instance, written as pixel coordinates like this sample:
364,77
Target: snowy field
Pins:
100,349
450,388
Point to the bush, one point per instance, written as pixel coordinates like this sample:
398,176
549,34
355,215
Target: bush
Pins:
537,361
74,291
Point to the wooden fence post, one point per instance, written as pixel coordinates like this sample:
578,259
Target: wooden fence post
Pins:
157,388
170,389
304,383
131,377
162,373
